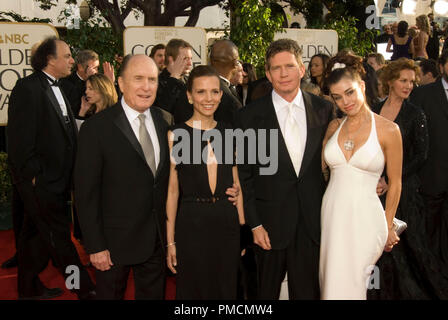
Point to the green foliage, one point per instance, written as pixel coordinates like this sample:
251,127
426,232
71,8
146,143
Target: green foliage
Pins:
350,37
97,35
14,16
5,180
253,31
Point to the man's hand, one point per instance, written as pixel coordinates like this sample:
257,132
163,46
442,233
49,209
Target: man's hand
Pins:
108,70
382,187
233,192
177,67
261,238
101,260
33,181
91,70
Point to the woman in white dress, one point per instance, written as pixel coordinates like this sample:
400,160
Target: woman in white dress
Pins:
356,148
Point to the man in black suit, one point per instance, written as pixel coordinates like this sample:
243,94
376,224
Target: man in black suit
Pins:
121,180
172,90
283,207
41,149
433,98
224,58
74,86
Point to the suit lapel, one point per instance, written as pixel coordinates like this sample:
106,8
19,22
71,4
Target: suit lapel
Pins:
313,133
161,136
55,104
442,95
122,122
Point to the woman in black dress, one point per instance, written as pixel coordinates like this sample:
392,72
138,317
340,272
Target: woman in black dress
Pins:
409,271
203,228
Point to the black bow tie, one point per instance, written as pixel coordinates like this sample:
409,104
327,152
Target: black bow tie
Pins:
54,83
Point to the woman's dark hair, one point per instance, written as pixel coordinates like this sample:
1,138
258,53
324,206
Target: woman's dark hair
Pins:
344,66
402,28
325,58
39,60
250,70
200,71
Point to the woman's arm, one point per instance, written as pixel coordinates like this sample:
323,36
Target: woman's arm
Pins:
239,203
171,209
389,45
393,149
332,127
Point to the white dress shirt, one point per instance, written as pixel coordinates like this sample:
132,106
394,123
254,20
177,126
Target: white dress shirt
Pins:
281,109
132,116
57,92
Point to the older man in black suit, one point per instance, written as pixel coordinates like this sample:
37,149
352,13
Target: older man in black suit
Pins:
41,149
121,180
283,207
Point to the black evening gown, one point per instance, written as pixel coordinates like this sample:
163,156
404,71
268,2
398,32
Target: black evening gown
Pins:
207,231
410,271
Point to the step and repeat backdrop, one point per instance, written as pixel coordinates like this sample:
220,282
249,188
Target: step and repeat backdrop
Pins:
17,39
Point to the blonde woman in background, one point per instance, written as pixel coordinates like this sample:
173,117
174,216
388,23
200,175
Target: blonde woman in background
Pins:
422,37
100,94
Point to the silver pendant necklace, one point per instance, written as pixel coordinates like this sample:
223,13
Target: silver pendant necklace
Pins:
349,143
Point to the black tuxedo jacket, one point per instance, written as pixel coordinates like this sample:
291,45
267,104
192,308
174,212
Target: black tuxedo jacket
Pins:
40,144
434,173
228,106
74,88
121,205
276,201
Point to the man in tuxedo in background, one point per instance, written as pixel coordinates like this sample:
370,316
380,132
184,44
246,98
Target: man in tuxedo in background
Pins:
121,180
41,148
283,208
172,90
74,86
224,58
433,98
158,55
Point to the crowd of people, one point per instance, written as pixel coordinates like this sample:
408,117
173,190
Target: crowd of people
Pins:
357,141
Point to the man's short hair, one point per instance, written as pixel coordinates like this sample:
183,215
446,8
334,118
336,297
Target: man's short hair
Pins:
172,48
39,60
379,58
84,56
124,64
283,45
429,65
154,49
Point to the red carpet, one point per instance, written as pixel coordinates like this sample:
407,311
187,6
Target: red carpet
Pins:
51,277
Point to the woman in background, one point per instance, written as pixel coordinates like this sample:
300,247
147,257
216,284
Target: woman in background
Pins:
401,43
100,94
422,22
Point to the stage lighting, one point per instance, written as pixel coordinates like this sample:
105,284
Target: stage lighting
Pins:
441,7
408,7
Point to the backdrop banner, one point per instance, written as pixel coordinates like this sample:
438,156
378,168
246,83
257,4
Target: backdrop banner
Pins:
312,41
16,40
140,40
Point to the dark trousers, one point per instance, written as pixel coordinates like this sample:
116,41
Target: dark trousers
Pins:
149,279
300,259
17,213
46,233
437,224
